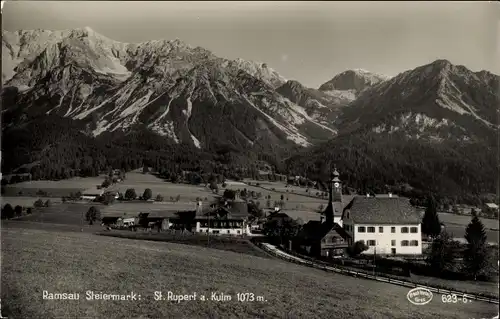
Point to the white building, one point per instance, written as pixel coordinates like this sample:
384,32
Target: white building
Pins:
230,220
388,225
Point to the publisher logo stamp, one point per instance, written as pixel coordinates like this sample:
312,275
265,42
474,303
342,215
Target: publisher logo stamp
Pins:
419,296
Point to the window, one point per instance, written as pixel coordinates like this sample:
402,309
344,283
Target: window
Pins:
370,243
393,242
404,243
393,251
393,230
238,231
413,230
361,229
228,231
404,230
371,229
414,243
381,229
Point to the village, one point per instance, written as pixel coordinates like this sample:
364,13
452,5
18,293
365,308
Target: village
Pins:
379,233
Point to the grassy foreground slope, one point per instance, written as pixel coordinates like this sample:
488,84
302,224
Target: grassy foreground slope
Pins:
37,260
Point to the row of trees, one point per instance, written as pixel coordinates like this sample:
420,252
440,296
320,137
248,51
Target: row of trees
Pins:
8,212
444,250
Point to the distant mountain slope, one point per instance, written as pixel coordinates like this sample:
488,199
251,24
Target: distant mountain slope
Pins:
438,101
186,94
349,84
433,128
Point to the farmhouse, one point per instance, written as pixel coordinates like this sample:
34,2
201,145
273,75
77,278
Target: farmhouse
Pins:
92,193
229,219
387,225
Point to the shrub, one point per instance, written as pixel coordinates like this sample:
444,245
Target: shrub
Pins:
38,203
148,194
130,194
18,210
356,248
7,211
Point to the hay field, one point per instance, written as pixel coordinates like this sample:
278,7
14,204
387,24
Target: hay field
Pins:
67,214
297,200
140,182
461,220
54,188
35,260
26,201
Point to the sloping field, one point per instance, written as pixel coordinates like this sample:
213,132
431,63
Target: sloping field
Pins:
140,182
35,260
26,201
296,200
53,188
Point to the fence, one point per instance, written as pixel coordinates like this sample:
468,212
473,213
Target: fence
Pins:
278,253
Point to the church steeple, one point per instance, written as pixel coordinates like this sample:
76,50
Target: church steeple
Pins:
335,187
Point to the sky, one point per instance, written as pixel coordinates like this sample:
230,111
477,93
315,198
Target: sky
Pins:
307,41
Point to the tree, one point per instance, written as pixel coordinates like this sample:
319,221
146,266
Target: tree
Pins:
475,255
213,186
229,194
281,230
29,211
356,248
159,198
431,225
48,203
108,199
282,197
130,194
38,203
8,211
18,210
106,183
442,253
92,215
148,194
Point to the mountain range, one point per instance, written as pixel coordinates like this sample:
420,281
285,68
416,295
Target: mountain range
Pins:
184,96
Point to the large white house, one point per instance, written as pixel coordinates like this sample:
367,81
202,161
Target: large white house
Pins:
388,225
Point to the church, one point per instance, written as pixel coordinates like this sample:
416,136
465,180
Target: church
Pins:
327,237
385,223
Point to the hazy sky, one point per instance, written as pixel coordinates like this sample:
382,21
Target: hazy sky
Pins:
307,41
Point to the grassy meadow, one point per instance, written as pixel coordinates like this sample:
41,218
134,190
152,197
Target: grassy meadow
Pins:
37,260
140,182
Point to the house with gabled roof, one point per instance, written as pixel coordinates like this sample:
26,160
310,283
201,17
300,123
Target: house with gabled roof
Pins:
386,224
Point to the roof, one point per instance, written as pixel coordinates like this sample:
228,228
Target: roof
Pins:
304,215
385,210
338,207
386,195
491,205
315,231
